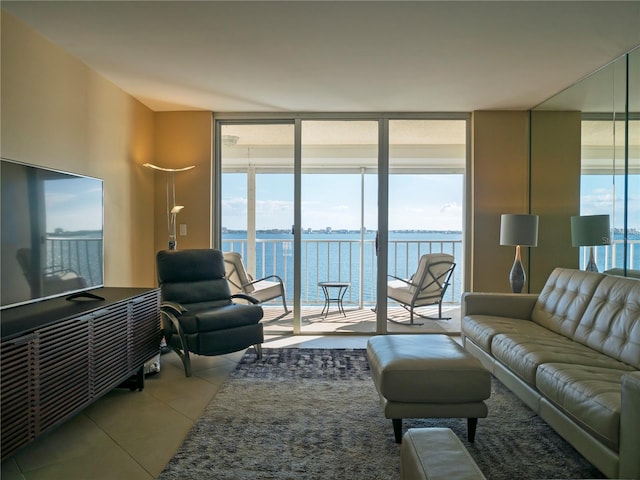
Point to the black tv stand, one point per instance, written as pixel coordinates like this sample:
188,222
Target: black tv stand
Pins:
80,296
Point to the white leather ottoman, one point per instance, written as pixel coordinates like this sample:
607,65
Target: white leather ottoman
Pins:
427,376
436,454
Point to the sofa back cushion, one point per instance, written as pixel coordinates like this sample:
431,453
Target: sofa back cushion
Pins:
564,299
611,321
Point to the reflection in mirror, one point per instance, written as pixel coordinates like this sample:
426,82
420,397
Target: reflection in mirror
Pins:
609,102
633,194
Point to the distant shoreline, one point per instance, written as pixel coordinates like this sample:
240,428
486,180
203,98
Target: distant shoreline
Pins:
331,231
616,231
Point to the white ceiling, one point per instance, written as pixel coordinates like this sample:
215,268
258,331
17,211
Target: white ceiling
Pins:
358,56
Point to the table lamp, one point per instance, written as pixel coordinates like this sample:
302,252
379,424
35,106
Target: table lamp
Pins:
518,230
589,231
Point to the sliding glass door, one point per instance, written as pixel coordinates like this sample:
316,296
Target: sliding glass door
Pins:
339,222
256,202
331,204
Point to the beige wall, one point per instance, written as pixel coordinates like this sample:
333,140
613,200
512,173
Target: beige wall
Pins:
517,169
184,139
58,113
499,184
555,190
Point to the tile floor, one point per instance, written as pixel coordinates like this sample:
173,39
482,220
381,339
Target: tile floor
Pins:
132,435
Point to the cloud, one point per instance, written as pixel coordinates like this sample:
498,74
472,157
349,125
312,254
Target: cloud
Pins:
451,208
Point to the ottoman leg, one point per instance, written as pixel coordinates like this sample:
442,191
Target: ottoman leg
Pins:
397,429
472,423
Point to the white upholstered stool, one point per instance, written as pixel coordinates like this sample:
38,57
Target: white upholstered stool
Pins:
436,454
427,376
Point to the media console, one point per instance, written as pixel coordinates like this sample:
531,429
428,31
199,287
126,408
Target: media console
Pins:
59,356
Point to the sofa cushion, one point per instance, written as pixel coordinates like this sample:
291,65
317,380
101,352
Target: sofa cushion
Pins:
523,353
611,322
589,395
482,328
564,299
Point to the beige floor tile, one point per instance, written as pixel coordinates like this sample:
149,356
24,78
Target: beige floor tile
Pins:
75,439
191,402
216,376
153,450
108,462
124,419
10,470
78,449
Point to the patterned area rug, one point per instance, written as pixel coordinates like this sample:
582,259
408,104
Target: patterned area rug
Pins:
314,414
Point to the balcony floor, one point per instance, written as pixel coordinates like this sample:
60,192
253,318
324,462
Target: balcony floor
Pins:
360,321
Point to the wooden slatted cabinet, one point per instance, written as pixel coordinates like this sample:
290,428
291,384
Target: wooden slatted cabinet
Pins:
59,356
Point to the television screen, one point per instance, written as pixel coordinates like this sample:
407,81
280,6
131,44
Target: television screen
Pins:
51,233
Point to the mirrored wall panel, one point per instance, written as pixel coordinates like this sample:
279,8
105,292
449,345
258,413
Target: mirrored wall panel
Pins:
601,230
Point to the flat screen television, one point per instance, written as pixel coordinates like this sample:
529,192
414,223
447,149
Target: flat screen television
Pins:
51,234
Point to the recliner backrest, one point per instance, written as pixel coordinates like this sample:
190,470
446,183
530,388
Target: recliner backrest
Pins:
194,278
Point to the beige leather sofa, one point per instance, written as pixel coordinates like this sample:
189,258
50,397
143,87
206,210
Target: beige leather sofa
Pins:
572,354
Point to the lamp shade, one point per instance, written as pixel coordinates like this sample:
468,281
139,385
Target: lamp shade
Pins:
590,230
519,229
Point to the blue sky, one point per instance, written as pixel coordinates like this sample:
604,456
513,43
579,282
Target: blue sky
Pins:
432,202
73,204
597,195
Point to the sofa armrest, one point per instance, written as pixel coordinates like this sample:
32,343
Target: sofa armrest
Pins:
630,426
511,305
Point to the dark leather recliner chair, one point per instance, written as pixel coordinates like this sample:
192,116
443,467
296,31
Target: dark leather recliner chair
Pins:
198,312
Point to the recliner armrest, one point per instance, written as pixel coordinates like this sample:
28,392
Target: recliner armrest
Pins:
630,426
510,305
174,307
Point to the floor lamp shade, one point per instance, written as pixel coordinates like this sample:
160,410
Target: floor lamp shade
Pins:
589,231
518,230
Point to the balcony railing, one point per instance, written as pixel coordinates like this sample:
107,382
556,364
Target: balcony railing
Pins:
78,254
352,261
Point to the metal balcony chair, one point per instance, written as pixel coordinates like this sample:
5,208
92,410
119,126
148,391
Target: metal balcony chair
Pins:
263,289
50,280
198,312
426,287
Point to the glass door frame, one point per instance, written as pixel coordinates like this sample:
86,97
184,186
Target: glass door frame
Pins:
220,119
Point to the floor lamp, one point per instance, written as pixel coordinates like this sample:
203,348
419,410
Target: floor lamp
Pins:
589,231
172,208
518,230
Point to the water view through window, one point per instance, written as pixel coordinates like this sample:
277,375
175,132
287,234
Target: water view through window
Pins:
339,200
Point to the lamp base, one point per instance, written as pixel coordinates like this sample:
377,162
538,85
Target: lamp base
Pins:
516,275
172,242
591,265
